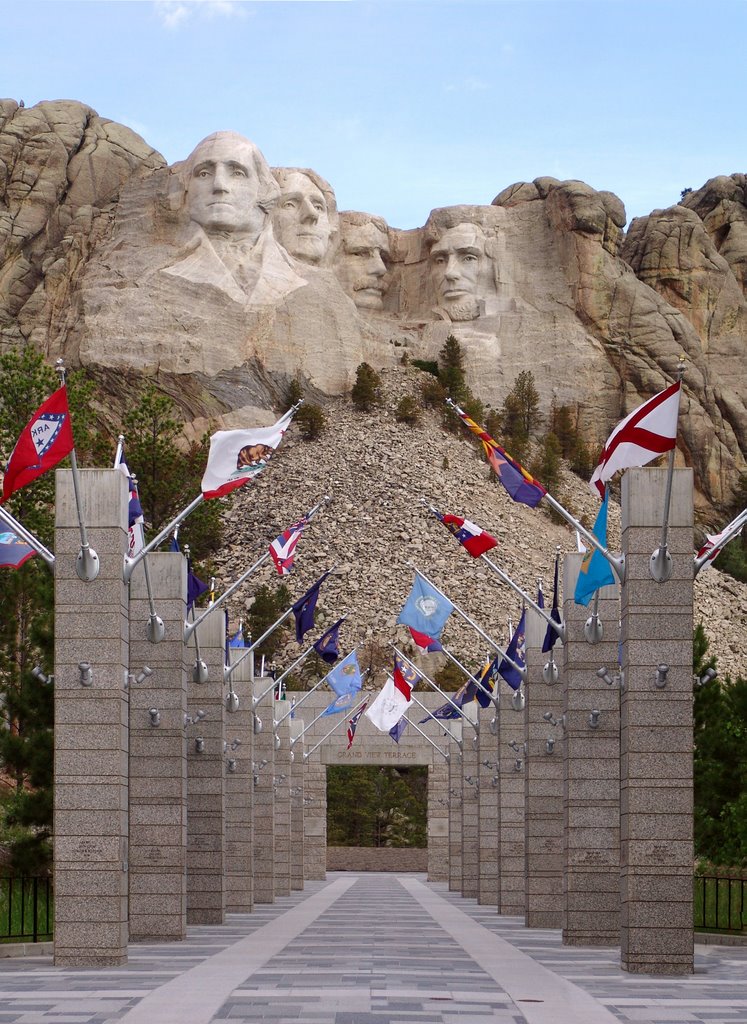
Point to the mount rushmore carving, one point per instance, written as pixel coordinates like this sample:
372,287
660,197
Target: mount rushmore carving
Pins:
224,278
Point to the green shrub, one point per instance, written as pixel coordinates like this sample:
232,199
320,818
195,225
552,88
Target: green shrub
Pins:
311,420
408,411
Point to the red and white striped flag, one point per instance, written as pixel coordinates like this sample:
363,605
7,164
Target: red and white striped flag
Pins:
283,548
648,431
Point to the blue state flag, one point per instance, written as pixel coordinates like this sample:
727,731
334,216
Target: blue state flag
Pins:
327,646
516,651
596,571
396,730
551,636
342,702
237,640
346,677
426,609
13,551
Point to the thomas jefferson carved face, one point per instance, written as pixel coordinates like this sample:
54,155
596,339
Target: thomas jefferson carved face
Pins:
363,264
223,187
457,261
301,218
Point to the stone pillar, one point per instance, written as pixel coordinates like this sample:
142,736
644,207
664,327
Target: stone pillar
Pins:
656,822
591,797
296,726
543,785
282,800
239,758
470,804
158,755
438,819
206,780
315,815
488,801
455,805
91,741
512,888
264,797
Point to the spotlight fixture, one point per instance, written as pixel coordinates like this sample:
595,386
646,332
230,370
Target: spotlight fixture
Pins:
86,673
493,726
37,673
144,673
518,764
594,719
494,782
200,745
257,724
276,741
518,748
604,675
490,764
708,676
235,744
155,717
552,720
231,764
549,745
660,679
199,671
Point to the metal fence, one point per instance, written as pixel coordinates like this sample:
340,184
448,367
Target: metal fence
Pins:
720,904
26,909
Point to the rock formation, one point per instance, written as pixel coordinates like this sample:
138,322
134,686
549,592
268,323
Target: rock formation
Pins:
222,279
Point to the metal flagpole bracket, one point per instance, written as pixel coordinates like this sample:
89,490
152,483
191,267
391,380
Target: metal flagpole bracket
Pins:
550,674
593,628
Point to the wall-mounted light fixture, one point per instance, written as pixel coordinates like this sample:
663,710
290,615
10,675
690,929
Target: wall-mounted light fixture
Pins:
493,726
708,676
494,782
552,720
196,717
549,745
660,679
86,673
257,724
518,764
231,764
37,673
276,741
200,745
235,744
594,719
155,717
519,748
493,765
145,671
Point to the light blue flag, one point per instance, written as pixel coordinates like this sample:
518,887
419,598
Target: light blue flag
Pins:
596,571
346,677
344,702
425,610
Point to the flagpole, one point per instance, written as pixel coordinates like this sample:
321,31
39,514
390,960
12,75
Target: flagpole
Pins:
435,687
336,726
428,710
616,561
558,627
660,563
730,531
155,630
130,564
520,669
321,714
425,736
308,693
87,564
229,670
188,628
11,522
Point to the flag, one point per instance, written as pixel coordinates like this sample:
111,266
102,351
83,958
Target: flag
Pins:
327,646
580,546
516,651
283,548
238,456
520,484
304,607
195,587
237,640
425,609
392,701
469,535
353,724
429,643
13,551
45,440
397,730
447,710
540,595
174,543
595,571
343,702
345,677
551,636
648,431
487,679
716,541
135,517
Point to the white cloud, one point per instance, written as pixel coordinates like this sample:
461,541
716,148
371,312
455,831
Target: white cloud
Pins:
469,84
173,13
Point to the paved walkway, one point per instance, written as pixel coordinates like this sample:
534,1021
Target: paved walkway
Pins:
373,949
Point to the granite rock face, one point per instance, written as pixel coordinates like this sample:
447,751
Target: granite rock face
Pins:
222,279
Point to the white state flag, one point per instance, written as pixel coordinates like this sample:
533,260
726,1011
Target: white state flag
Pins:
648,431
388,707
237,456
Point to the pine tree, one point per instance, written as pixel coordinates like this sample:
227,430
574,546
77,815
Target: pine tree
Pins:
366,393
451,371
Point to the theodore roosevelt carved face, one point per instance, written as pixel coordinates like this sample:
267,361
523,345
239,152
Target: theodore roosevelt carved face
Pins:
305,216
364,259
230,189
458,263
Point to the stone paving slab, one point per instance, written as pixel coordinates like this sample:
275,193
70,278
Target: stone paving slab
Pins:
373,949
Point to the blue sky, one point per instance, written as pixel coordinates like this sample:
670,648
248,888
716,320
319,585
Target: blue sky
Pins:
406,106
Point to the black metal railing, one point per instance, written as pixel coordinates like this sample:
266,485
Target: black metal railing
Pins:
26,909
720,904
